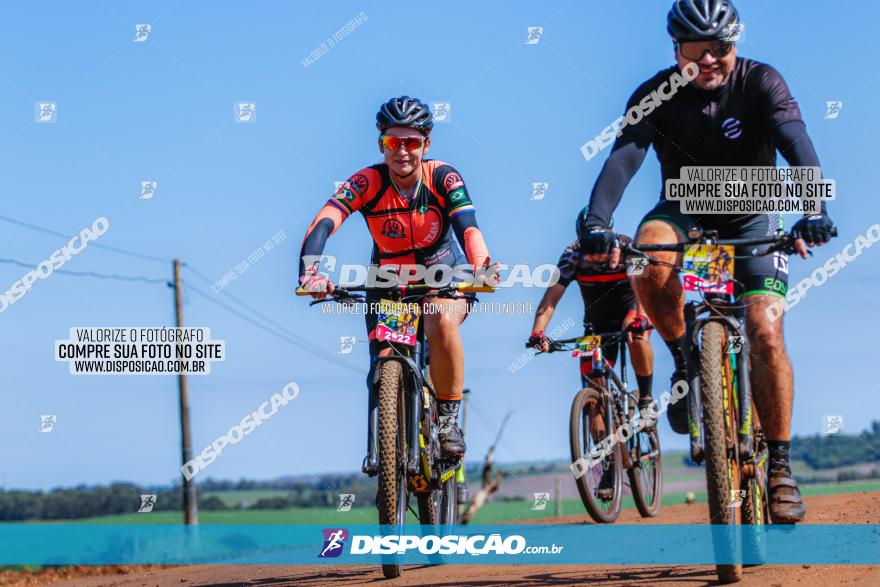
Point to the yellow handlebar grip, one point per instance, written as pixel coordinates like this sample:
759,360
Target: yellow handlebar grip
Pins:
470,288
301,291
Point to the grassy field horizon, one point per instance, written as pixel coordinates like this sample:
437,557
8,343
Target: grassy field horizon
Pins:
497,511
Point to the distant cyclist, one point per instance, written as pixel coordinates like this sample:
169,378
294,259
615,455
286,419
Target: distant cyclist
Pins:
736,112
609,305
413,207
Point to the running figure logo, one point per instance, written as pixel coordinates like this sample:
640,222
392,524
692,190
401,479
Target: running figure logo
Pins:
635,266
147,504
734,344
736,498
142,32
148,189
541,500
833,424
47,423
245,112
832,109
346,344
346,500
442,111
534,35
732,33
539,190
45,112
334,540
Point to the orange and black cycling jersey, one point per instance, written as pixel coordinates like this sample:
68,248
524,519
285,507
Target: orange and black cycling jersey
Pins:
405,231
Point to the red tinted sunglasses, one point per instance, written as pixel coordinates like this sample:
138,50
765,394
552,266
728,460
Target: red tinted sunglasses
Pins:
409,143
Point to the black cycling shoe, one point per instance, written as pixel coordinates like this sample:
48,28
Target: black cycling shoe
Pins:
786,504
606,485
452,441
677,413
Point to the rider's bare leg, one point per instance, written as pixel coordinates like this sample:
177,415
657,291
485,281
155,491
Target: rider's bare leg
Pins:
658,288
444,340
772,378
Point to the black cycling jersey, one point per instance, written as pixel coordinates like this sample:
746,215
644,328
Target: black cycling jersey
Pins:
741,123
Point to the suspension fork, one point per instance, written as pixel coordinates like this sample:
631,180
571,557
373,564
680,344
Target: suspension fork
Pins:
617,401
695,408
744,389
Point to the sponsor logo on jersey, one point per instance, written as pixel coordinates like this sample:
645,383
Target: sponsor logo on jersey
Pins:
732,128
359,182
393,229
452,182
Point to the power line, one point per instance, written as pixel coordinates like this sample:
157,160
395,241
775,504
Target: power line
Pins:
92,244
267,319
114,276
301,345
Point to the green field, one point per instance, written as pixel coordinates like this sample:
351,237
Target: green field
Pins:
492,512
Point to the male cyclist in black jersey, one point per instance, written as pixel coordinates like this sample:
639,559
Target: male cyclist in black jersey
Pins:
736,112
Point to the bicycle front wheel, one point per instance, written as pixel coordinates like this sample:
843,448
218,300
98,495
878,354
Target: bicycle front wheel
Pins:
720,434
600,483
392,497
646,476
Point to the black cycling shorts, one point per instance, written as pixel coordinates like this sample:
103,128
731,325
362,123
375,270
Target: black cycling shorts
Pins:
762,275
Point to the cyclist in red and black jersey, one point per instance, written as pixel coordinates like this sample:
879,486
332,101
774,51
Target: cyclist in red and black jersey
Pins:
609,305
413,207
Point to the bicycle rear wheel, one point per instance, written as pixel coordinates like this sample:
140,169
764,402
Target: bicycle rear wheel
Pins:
646,476
588,408
755,507
392,497
449,502
720,438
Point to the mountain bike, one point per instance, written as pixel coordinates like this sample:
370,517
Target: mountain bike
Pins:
404,443
604,414
724,429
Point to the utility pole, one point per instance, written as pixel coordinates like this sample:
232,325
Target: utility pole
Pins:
190,508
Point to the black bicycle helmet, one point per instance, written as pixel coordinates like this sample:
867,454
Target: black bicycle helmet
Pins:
405,111
700,20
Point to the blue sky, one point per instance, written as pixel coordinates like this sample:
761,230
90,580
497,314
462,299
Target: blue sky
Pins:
163,110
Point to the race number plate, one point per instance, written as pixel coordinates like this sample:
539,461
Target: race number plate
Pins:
589,346
708,268
397,322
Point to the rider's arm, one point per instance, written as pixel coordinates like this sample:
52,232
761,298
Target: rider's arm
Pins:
567,266
347,199
462,215
625,159
547,306
782,115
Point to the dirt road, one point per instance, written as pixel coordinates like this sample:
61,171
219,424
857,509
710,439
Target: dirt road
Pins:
854,508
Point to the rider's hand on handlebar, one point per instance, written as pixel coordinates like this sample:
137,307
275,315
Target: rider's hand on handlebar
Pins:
812,231
318,285
601,244
488,274
538,341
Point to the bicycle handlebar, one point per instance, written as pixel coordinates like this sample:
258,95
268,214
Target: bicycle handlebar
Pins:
784,242
345,293
556,345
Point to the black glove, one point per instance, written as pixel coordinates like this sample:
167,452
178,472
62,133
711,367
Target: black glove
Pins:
598,240
537,338
816,229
